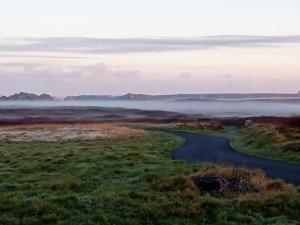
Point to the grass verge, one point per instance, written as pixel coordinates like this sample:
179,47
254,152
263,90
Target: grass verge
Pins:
262,140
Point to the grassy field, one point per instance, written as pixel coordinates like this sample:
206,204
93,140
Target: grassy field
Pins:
127,181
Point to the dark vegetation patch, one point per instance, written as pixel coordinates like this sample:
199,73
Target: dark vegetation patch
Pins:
90,114
239,183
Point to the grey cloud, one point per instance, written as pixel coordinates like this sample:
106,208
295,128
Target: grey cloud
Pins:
41,56
101,45
59,80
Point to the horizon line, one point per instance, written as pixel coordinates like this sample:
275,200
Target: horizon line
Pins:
131,93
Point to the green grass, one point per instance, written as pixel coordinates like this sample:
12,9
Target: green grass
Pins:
118,182
257,141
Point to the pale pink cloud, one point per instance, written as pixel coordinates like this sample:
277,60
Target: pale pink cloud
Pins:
102,79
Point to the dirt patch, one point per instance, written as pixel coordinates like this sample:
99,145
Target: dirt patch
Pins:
64,132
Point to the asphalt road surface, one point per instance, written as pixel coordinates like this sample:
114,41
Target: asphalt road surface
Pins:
207,148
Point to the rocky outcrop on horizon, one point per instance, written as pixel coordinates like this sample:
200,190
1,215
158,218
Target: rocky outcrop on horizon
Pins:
22,96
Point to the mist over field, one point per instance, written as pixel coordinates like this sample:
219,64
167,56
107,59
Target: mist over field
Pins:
207,108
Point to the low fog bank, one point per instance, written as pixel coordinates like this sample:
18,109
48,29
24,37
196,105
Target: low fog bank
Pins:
211,108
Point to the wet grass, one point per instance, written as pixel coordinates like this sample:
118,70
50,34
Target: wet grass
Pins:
128,181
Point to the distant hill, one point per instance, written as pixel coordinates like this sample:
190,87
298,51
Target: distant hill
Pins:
22,96
128,96
184,97
175,97
88,97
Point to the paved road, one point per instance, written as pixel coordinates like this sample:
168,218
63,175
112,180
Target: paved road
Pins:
206,148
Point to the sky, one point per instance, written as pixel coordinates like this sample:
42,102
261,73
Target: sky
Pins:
65,47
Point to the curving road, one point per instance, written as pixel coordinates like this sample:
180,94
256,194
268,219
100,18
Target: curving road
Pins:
206,148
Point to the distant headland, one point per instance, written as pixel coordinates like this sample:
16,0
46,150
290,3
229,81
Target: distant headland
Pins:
23,96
